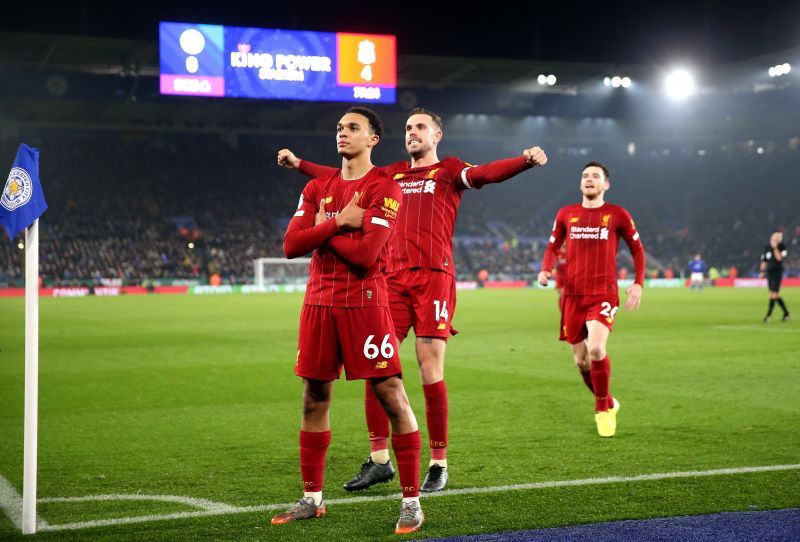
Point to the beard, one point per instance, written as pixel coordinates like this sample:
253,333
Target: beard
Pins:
418,152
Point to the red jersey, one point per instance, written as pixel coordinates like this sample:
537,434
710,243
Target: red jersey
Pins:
592,237
431,195
347,269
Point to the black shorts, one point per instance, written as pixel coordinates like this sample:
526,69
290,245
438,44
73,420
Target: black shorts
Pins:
774,281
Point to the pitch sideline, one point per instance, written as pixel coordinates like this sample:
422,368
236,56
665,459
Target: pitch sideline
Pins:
11,502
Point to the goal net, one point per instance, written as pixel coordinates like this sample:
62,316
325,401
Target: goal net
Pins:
280,274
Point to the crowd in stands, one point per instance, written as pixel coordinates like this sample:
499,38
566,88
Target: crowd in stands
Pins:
155,206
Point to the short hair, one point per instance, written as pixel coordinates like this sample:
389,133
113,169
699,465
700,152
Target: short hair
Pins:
601,166
375,123
422,111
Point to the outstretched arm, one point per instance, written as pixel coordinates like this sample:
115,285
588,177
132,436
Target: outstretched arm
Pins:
501,170
287,159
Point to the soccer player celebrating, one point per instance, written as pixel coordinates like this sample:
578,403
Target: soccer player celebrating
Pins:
421,279
346,217
592,230
772,266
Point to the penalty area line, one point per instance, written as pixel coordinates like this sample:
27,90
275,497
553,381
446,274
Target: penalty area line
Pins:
223,509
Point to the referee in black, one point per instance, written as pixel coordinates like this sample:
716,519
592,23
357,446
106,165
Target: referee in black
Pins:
772,267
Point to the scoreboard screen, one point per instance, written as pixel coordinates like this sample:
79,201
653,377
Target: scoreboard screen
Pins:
237,62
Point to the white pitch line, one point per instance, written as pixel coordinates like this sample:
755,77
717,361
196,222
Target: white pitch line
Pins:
11,504
203,504
227,509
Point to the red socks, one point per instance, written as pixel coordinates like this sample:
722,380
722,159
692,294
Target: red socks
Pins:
377,420
587,379
436,416
313,447
406,451
601,376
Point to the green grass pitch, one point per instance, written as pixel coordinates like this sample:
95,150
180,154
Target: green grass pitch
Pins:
196,397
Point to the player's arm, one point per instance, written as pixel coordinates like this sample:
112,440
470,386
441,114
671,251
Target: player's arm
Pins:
303,234
557,237
377,227
502,170
289,160
779,252
634,242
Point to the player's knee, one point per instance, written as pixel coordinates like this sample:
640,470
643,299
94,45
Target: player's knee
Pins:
597,352
314,406
581,363
431,370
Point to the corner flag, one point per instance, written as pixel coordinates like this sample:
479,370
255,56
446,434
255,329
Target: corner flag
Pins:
21,204
22,200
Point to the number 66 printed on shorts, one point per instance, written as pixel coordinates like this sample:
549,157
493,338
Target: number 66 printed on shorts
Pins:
361,340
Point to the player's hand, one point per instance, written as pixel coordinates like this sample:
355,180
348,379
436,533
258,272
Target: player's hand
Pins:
634,297
351,217
287,159
544,277
535,156
320,217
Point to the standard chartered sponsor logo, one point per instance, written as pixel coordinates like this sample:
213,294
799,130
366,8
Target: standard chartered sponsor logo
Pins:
421,186
412,187
588,232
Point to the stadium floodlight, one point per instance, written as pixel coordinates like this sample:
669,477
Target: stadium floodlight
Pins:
780,69
679,84
551,79
21,245
617,81
542,79
190,245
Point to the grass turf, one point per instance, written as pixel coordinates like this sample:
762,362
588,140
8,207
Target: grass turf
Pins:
195,396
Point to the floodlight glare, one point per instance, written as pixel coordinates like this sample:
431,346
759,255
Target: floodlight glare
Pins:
542,79
551,79
616,81
787,67
626,82
771,71
607,81
680,84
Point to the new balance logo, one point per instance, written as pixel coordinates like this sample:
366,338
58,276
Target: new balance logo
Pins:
381,364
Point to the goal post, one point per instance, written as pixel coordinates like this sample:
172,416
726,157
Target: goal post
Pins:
280,274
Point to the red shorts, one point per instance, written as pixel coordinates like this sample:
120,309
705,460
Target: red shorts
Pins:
424,299
360,339
576,310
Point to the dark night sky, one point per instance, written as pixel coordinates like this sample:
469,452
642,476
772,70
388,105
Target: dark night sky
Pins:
704,31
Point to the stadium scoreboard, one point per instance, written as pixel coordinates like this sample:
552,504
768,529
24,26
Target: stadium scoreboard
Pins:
238,62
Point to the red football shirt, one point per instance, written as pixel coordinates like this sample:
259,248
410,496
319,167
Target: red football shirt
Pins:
431,196
592,237
347,269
